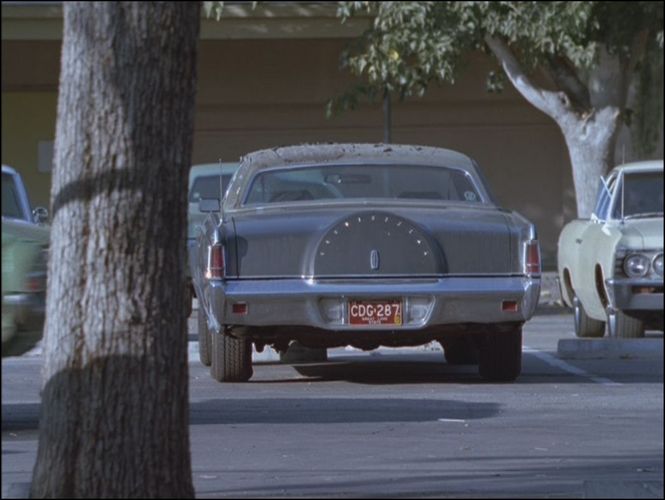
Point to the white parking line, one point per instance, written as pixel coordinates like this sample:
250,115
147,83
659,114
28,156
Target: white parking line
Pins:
562,365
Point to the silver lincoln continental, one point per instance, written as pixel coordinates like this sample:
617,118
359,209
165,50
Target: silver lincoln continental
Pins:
363,245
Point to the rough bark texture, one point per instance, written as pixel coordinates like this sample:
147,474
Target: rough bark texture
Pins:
588,113
590,144
114,419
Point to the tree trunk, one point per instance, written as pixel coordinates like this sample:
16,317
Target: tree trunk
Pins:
590,135
590,144
114,419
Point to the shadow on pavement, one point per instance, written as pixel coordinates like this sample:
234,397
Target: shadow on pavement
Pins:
334,410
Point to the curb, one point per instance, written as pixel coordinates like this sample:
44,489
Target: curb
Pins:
609,348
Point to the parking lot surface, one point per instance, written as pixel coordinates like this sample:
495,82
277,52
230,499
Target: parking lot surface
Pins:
403,423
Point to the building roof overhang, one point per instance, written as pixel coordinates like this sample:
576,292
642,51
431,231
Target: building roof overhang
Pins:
240,20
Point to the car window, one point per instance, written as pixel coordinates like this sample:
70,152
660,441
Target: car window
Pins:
642,195
605,189
11,206
366,181
207,187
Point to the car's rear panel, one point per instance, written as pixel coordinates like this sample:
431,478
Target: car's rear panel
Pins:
380,242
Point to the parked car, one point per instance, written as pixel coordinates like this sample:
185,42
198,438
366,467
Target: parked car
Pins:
611,265
205,181
24,259
363,245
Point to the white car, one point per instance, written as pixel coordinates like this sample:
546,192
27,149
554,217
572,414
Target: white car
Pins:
611,265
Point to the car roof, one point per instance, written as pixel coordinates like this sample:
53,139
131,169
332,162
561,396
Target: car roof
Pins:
640,166
351,154
6,169
305,154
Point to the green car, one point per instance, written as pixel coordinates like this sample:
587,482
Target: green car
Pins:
204,183
24,260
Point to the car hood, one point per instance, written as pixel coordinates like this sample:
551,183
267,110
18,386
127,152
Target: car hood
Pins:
643,233
14,229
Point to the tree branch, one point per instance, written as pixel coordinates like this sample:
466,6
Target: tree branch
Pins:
565,77
555,104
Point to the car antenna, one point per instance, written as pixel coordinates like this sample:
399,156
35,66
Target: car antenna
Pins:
623,197
221,192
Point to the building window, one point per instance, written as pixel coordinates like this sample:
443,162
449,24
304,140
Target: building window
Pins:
45,156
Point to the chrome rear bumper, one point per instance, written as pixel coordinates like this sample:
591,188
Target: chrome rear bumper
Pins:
426,302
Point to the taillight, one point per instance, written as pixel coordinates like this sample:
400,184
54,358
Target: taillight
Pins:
35,282
215,269
532,257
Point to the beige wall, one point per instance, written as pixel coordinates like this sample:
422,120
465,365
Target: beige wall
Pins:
262,93
27,119
256,93
30,72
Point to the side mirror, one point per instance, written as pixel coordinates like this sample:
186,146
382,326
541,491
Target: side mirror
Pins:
209,205
40,215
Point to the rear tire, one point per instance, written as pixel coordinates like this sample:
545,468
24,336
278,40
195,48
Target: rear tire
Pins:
460,351
586,327
204,337
622,326
500,355
231,358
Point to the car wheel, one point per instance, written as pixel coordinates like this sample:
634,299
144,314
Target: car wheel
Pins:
622,326
204,337
584,325
500,355
460,351
231,358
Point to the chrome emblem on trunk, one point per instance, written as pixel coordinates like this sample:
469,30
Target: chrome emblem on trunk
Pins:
374,260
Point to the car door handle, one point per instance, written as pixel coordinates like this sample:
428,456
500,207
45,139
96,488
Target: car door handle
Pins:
578,240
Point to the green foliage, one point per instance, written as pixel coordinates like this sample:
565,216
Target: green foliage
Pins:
213,8
411,44
217,9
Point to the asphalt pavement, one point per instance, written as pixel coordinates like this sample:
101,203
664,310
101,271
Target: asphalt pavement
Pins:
403,423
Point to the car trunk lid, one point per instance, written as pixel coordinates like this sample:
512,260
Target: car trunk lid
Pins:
381,242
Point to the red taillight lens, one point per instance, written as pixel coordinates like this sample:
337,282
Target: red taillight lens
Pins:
239,308
36,282
532,258
215,262
510,306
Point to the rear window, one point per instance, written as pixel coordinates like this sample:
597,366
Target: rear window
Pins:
10,200
207,187
343,182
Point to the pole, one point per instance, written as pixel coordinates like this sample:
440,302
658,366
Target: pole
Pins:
387,117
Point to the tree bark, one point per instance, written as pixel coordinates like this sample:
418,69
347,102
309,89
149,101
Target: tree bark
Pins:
591,143
114,419
590,134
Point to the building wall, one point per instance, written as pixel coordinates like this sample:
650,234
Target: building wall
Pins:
267,92
28,119
256,94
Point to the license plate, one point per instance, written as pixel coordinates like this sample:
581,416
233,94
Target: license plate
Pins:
375,312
